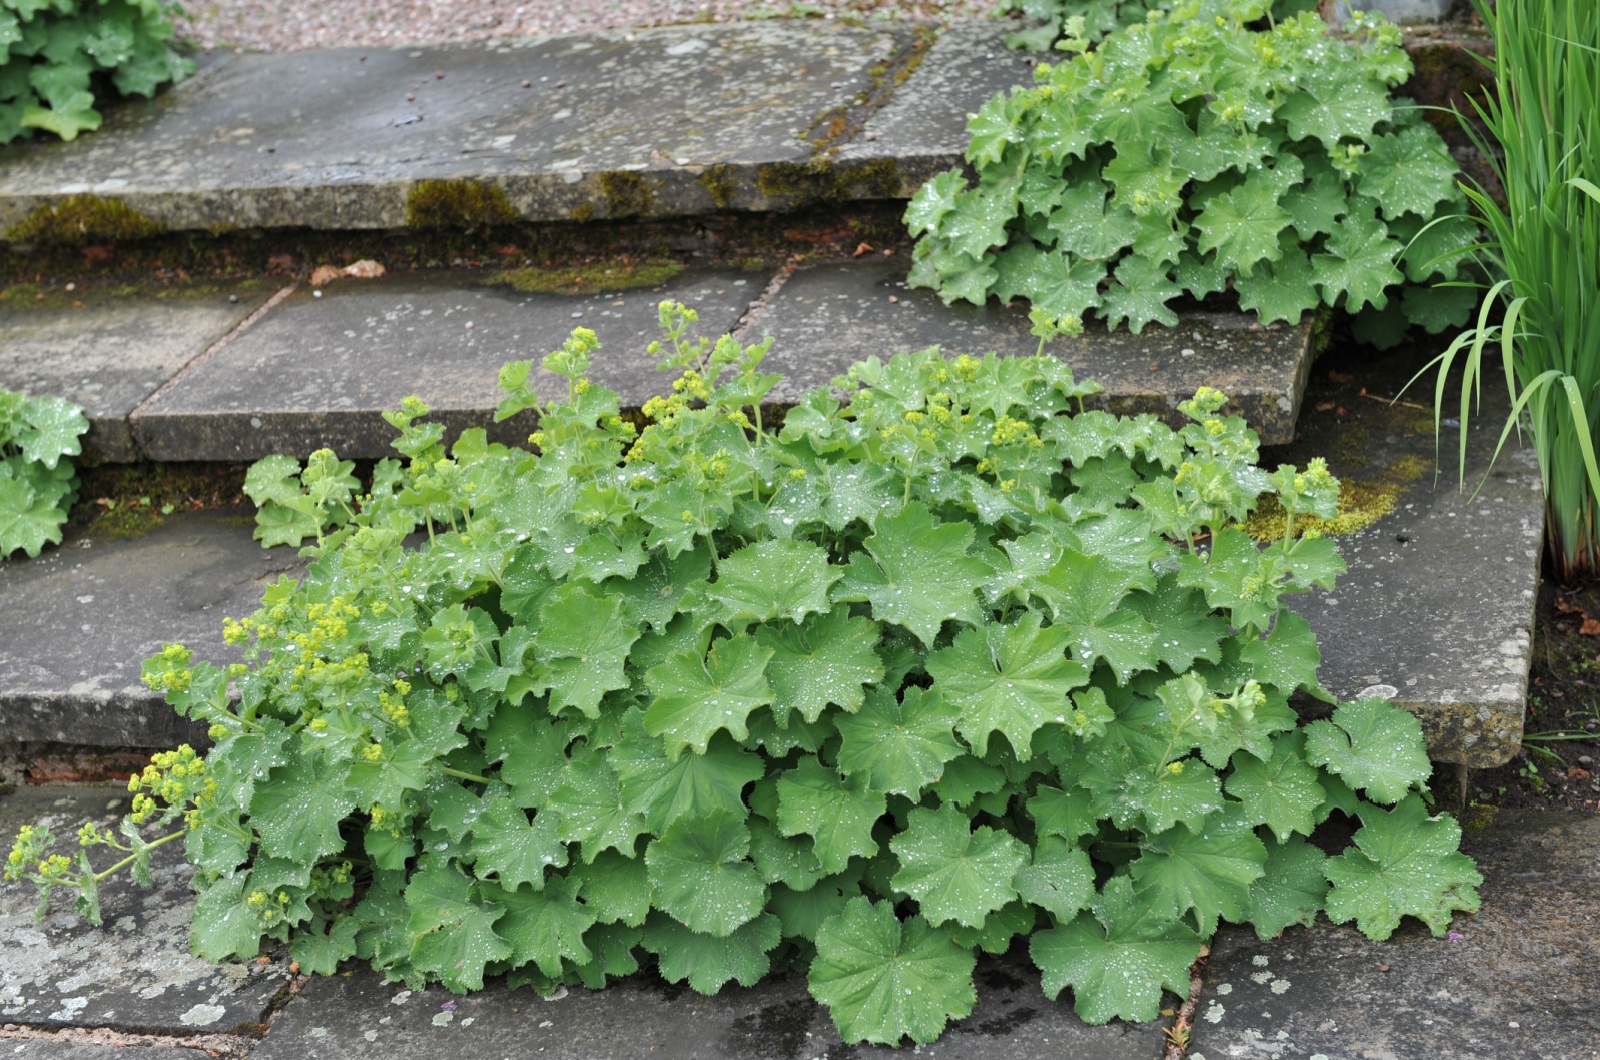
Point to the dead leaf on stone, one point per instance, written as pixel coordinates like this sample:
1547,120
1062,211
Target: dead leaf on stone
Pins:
1590,627
1567,608
365,269
862,248
325,274
1578,773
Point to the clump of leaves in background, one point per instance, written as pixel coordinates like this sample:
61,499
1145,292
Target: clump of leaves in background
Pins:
937,667
57,57
1195,154
295,503
1071,24
37,486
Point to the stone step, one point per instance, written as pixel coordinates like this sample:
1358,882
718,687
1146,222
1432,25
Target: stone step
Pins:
199,377
77,622
616,124
1436,610
621,124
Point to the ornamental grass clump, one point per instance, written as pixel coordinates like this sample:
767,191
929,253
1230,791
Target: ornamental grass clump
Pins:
939,666
1198,152
1543,314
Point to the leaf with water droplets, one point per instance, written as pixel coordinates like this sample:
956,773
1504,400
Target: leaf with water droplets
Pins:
515,851
773,580
1372,745
828,659
1404,863
838,814
1282,793
919,574
701,874
1209,872
884,980
695,696
955,872
1010,679
1118,958
1292,890
899,746
544,925
709,961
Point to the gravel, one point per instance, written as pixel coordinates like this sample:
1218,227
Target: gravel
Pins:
287,25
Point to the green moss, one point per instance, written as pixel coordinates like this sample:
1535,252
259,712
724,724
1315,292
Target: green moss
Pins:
582,212
130,500
879,178
801,182
588,279
1360,505
1479,815
457,204
82,219
718,181
627,194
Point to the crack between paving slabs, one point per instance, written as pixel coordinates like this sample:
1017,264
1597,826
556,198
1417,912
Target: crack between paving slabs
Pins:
1178,1035
754,311
211,351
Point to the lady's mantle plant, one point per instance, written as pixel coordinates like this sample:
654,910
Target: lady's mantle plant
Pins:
1191,153
57,56
37,486
940,669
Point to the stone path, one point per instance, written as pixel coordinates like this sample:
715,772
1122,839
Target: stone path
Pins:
1437,606
1514,980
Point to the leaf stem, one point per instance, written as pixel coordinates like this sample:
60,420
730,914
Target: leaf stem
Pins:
447,771
133,857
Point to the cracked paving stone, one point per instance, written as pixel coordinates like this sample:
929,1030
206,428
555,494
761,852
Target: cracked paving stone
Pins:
66,1049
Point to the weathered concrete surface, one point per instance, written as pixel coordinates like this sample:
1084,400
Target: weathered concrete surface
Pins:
922,130
1515,980
52,1048
115,351
653,122
320,371
1437,609
361,1016
826,318
134,973
77,622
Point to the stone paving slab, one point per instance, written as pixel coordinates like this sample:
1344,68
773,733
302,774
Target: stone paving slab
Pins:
355,1016
653,122
116,350
1516,980
77,622
828,317
320,369
67,1049
1437,609
135,972
922,130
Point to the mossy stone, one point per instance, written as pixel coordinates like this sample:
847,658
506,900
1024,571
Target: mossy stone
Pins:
458,204
80,219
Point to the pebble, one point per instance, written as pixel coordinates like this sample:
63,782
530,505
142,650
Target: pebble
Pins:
1585,760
